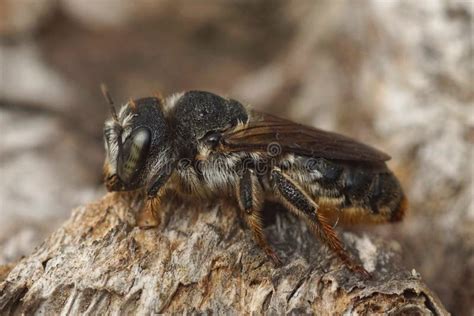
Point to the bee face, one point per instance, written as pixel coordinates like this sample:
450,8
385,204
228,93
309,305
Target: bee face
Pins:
135,141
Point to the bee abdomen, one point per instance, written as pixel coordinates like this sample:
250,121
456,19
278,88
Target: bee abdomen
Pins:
357,183
363,192
375,190
386,196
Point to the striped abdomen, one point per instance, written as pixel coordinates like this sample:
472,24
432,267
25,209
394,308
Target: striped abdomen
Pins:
355,191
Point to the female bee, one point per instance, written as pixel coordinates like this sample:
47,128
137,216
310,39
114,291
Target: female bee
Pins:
200,144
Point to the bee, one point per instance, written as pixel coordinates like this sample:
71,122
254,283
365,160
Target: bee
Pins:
202,145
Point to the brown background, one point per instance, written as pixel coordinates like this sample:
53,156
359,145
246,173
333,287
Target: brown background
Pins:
396,74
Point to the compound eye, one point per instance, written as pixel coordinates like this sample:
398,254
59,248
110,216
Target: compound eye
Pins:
133,156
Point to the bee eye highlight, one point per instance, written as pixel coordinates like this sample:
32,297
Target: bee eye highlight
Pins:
133,155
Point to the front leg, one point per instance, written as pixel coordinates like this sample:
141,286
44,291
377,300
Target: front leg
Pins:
148,216
301,204
250,198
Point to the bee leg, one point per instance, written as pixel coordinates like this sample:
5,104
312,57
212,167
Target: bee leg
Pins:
298,202
249,196
148,216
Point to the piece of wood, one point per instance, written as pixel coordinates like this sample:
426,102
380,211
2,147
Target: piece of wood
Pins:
201,259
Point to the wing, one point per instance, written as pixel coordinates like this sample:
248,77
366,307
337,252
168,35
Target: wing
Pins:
265,129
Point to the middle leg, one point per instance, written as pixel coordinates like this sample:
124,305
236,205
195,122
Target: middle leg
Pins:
250,198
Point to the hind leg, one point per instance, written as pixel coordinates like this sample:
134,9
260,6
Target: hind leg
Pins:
298,202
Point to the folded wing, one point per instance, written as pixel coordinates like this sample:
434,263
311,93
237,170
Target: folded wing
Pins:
295,138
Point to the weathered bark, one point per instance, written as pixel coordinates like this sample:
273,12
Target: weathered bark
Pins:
200,260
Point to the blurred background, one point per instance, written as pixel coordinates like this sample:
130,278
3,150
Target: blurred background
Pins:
395,74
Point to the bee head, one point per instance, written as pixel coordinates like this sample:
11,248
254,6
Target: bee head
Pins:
136,142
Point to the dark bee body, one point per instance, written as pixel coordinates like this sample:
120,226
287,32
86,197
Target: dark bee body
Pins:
207,146
352,192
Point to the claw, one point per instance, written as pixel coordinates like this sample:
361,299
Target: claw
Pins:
274,257
361,271
354,267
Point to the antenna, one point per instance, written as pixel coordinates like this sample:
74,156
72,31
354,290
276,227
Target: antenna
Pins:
108,98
